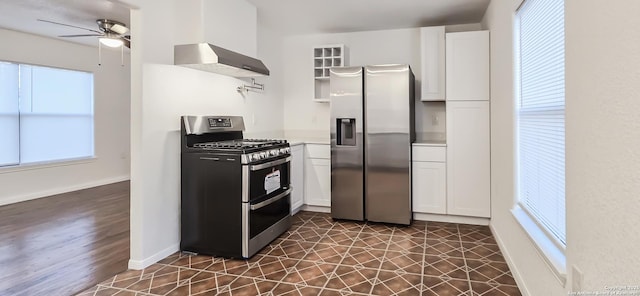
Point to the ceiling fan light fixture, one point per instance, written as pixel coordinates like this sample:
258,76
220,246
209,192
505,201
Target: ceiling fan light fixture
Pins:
111,41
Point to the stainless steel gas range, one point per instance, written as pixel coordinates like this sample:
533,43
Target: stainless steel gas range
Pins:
235,191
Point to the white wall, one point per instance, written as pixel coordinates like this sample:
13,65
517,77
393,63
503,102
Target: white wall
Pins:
161,93
305,118
242,36
602,135
603,140
111,115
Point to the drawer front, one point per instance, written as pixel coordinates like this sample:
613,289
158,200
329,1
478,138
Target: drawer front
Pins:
318,151
422,153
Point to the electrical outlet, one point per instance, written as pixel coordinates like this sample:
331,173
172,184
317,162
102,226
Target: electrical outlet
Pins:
577,279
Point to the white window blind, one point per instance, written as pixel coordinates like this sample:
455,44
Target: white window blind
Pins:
540,114
46,114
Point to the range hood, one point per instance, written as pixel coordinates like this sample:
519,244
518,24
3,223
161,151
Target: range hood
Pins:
211,58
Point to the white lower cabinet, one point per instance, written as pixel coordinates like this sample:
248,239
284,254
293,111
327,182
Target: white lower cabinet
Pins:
429,179
297,177
429,187
317,175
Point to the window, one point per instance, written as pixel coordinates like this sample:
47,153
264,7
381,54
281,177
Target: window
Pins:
540,115
46,114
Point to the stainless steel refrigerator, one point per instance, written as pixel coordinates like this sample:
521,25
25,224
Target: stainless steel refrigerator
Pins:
372,128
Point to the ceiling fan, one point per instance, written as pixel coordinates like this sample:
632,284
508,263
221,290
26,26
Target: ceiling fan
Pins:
111,33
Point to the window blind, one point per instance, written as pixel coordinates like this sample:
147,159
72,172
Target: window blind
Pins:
56,114
540,114
46,114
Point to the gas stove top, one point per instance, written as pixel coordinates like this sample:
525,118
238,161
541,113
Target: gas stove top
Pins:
243,146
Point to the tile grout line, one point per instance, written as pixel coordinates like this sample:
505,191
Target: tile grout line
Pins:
424,259
153,276
464,258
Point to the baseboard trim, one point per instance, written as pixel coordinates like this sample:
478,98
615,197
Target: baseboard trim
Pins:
47,193
319,209
142,264
512,267
451,219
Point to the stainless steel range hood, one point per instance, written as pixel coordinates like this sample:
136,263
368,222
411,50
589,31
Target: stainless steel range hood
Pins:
211,58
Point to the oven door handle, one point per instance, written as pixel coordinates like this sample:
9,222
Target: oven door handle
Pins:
265,165
271,200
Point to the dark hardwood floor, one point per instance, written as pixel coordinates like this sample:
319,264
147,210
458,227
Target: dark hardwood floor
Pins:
63,244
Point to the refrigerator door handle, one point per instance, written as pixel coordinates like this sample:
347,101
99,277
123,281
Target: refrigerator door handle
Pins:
346,132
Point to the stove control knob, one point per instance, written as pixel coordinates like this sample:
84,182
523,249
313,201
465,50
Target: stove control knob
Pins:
274,152
263,154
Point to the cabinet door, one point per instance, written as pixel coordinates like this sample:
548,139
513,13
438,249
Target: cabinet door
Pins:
468,159
467,66
318,182
432,63
429,187
297,177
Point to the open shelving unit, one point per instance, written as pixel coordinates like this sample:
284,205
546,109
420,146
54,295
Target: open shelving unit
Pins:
326,57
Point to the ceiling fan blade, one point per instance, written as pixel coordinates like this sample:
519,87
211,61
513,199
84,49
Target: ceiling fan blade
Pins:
82,35
119,29
72,26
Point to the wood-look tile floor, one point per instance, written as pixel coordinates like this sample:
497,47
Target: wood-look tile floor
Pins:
319,256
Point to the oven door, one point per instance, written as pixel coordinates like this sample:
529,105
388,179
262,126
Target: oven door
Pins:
265,180
264,221
266,213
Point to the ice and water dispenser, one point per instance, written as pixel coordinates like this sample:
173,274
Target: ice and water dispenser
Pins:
346,132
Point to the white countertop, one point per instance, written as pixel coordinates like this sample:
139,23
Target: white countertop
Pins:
294,142
430,144
298,137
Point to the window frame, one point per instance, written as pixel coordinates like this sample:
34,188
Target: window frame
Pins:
547,244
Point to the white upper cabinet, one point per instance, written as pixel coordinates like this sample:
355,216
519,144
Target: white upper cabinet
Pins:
432,54
467,63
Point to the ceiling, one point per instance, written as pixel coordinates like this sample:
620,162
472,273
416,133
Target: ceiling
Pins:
22,15
334,16
286,16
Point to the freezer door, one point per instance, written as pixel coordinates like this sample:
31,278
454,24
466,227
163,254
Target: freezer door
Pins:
389,133
347,143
